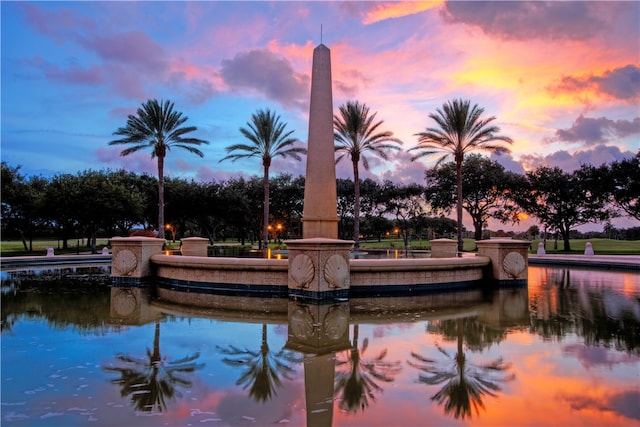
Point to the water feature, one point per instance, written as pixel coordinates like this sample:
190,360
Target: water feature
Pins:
565,350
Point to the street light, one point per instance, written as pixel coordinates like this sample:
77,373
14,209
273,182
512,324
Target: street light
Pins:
172,230
276,231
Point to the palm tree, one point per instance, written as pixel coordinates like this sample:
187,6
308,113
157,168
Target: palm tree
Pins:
357,377
355,135
262,368
268,140
158,127
465,383
460,130
152,380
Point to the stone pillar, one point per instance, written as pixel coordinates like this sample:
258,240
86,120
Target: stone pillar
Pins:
444,248
319,268
320,213
194,246
130,262
509,259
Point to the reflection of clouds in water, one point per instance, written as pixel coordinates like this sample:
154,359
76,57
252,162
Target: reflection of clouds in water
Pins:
592,357
624,403
617,305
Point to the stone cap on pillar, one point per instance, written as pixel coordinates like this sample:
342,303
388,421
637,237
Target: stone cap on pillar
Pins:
443,248
194,246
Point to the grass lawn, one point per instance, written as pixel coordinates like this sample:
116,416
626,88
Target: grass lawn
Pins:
15,247
600,246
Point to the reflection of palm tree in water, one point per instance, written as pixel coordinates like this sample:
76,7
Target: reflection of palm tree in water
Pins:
356,377
151,381
465,383
263,368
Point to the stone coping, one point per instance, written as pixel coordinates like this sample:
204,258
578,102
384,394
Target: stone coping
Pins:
357,265
221,263
418,264
617,262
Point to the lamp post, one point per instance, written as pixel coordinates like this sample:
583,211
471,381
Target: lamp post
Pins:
276,231
172,230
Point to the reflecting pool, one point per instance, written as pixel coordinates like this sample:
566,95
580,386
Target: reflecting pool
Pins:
563,351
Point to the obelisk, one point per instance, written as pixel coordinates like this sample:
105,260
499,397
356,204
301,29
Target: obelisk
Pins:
320,214
319,262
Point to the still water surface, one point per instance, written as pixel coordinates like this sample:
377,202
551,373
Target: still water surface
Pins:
563,351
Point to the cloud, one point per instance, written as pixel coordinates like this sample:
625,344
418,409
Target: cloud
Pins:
196,91
509,163
55,23
135,49
140,162
207,174
372,13
71,75
569,162
593,357
619,83
269,74
520,20
597,130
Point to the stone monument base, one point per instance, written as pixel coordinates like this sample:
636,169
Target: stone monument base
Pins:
509,259
319,268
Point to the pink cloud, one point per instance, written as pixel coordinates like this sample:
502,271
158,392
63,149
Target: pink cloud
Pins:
73,74
527,20
389,10
373,12
267,73
140,162
56,23
597,130
76,75
134,49
569,162
620,83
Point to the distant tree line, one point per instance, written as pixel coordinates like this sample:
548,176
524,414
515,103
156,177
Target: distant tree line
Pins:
115,203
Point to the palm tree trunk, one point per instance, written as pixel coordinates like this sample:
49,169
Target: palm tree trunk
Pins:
459,202
265,219
356,206
156,344
161,197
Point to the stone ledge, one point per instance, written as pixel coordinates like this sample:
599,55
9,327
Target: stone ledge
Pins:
418,264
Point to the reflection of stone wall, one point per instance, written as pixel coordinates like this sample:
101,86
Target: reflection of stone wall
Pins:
318,328
130,306
509,307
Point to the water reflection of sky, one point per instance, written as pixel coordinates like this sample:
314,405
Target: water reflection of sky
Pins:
572,359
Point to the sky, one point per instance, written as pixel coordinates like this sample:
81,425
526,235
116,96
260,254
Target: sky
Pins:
562,79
